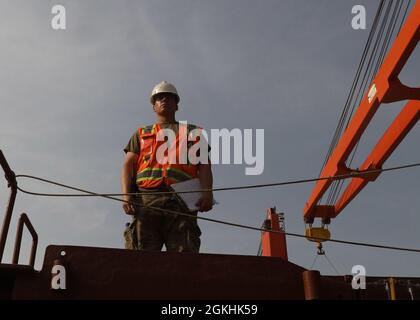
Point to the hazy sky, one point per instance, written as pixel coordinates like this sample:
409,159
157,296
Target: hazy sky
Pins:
71,99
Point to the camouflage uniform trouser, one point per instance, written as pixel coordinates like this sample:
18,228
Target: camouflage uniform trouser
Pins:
151,229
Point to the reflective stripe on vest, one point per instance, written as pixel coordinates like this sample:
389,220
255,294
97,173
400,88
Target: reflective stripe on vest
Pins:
148,174
151,173
157,173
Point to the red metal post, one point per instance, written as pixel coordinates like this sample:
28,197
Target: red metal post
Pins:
274,243
312,284
11,179
24,220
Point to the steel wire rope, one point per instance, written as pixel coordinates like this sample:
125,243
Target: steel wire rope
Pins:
350,98
166,211
353,87
331,264
336,187
405,14
367,78
255,186
335,190
313,263
389,35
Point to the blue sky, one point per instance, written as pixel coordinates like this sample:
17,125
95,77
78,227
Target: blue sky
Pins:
71,99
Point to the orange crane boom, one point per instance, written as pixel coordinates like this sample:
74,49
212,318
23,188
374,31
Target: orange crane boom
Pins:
385,88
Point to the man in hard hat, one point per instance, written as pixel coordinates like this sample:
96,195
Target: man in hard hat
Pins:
151,229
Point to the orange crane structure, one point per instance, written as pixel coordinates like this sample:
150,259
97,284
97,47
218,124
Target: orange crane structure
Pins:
385,88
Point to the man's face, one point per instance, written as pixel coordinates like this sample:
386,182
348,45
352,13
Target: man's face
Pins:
165,104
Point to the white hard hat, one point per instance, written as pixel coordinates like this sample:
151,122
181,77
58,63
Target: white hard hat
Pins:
164,87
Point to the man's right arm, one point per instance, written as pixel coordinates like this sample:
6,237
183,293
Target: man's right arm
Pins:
127,176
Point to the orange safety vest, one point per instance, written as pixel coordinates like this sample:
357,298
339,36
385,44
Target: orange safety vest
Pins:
150,172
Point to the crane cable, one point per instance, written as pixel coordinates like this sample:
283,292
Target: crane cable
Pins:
339,129
166,211
353,174
337,186
326,258
374,59
344,112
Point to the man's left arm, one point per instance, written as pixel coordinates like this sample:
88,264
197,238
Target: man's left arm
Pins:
206,181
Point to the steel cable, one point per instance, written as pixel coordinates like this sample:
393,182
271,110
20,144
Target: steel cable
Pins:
166,211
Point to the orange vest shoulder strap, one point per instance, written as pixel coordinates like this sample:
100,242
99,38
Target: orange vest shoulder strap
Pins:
147,130
146,140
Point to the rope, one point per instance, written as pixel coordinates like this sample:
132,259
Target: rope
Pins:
255,186
331,264
338,185
352,99
389,33
259,253
405,14
367,78
313,263
166,211
344,112
381,45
